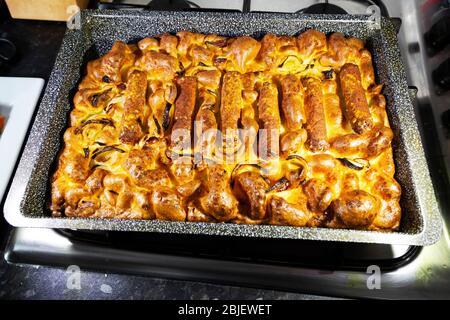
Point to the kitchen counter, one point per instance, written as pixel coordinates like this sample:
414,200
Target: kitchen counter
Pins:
37,45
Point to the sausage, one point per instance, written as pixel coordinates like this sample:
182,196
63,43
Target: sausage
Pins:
292,102
161,66
268,51
380,141
370,144
338,51
389,216
291,142
230,110
243,50
311,43
152,177
251,188
284,213
351,144
111,65
210,79
269,121
366,66
94,183
168,43
205,124
183,114
315,116
131,131
318,195
356,208
167,205
218,200
356,107
75,166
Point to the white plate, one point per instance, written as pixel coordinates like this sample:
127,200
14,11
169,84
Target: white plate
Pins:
18,98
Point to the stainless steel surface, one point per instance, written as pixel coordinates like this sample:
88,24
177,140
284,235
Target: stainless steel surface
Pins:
424,275
25,205
417,20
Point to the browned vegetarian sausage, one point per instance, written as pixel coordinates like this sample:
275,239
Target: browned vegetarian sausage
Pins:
315,116
205,124
218,200
111,65
183,114
250,188
285,213
389,216
292,102
268,51
269,121
230,110
318,195
168,43
367,72
355,208
131,131
356,106
167,205
369,144
243,50
380,141
291,142
311,43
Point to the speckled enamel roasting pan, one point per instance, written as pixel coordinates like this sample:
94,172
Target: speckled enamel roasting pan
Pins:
26,204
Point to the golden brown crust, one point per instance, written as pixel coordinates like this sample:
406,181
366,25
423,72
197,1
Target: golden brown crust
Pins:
143,139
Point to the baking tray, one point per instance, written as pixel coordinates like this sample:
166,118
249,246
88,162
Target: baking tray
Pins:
26,204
